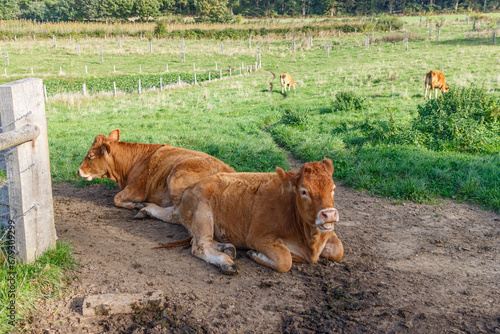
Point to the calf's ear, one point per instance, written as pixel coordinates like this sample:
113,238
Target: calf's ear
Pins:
114,135
328,165
287,180
105,149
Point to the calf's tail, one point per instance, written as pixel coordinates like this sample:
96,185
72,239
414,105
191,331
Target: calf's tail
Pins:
185,243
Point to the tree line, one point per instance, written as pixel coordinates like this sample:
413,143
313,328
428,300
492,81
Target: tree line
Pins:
226,10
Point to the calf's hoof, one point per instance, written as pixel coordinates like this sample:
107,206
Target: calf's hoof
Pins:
230,250
139,205
141,214
251,253
227,269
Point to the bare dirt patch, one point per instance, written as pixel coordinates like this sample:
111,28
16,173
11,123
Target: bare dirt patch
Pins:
407,268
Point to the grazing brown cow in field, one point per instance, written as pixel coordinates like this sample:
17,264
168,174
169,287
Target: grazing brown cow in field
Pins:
278,216
435,80
286,81
152,173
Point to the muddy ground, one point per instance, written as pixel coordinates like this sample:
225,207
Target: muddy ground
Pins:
407,268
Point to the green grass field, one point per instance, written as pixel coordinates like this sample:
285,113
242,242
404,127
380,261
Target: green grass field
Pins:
240,121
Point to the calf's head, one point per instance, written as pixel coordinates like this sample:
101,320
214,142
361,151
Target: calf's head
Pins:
95,164
314,192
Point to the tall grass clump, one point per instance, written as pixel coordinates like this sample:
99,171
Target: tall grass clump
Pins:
464,120
294,117
45,278
349,101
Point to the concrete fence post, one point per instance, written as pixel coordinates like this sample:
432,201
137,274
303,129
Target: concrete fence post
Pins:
22,108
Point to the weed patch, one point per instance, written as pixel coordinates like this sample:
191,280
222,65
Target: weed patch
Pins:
347,101
464,119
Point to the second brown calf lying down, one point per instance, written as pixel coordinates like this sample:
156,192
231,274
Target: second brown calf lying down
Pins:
277,216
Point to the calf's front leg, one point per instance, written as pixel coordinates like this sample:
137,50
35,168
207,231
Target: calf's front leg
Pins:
130,198
334,250
271,254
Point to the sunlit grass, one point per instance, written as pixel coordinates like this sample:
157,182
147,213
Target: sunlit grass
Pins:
237,120
45,278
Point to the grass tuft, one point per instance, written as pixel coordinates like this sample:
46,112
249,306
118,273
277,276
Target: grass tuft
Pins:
47,277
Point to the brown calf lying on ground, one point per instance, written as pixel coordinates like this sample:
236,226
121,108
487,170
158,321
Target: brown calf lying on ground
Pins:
276,215
150,173
435,80
286,81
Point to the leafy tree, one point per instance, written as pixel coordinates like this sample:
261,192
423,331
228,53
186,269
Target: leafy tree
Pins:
64,10
35,11
147,8
216,10
9,9
89,9
119,9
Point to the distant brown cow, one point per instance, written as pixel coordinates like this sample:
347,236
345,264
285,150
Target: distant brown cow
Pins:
286,81
276,215
150,173
435,80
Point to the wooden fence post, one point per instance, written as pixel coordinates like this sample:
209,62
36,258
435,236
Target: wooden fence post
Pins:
183,51
28,169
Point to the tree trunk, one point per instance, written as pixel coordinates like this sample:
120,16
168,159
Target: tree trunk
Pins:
484,9
456,5
303,7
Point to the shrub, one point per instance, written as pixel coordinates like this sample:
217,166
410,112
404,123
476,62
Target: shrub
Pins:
387,21
464,119
294,117
349,101
161,28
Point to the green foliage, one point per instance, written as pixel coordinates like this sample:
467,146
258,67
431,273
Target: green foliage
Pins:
349,101
294,117
464,119
160,28
238,19
9,9
387,22
147,8
35,11
412,8
118,9
215,10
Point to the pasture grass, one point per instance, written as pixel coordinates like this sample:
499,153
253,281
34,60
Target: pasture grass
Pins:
45,278
242,123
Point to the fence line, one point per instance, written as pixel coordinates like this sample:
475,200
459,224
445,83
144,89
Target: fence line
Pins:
160,83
